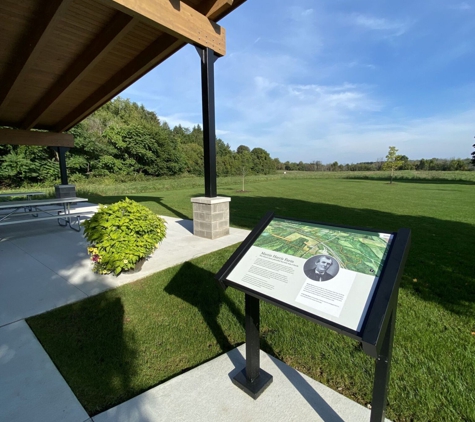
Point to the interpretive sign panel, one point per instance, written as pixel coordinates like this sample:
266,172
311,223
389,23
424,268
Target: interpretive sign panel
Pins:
344,278
328,271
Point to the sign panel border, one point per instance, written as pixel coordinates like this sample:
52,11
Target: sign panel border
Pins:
383,299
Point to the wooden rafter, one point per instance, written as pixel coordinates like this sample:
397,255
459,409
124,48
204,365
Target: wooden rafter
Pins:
113,32
30,47
32,98
214,8
158,51
178,19
26,137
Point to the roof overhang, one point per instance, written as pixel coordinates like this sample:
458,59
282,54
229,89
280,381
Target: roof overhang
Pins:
61,60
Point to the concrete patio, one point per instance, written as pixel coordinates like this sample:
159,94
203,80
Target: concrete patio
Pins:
44,266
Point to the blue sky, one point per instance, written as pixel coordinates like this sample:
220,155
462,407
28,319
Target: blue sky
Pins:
333,80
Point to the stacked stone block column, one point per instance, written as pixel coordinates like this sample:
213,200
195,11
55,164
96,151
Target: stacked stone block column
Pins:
211,217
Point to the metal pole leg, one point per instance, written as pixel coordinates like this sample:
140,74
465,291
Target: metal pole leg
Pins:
252,380
381,373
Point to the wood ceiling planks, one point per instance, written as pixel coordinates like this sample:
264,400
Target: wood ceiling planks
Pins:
62,59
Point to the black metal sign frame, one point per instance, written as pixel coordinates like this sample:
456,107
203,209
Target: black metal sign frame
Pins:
376,333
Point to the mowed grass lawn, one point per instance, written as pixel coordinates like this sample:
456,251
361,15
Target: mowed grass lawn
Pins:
117,344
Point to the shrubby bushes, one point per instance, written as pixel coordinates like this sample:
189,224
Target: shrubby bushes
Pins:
122,234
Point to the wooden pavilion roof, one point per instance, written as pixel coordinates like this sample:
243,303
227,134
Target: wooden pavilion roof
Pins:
60,60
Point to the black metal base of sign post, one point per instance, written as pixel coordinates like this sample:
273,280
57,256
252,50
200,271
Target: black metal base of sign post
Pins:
252,380
255,388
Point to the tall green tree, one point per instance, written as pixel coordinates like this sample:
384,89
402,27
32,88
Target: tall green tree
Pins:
23,164
473,156
393,161
262,163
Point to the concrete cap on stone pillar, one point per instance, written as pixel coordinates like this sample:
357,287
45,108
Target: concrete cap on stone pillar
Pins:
210,201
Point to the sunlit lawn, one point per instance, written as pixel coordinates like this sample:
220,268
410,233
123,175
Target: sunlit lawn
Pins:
117,344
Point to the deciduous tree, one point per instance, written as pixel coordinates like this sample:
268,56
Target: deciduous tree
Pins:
392,161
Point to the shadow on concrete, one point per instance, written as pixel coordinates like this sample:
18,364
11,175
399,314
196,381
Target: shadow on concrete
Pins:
186,224
321,407
315,400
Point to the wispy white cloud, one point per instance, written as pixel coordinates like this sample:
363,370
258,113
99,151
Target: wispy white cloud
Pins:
188,121
345,122
289,119
356,64
461,6
436,136
183,119
393,28
350,140
140,95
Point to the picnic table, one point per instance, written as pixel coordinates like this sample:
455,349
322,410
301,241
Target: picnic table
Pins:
43,209
28,195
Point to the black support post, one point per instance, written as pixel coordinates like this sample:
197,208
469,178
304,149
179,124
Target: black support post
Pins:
62,164
382,371
252,338
209,124
252,380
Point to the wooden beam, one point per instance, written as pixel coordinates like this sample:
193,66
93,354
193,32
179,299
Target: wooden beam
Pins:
213,8
158,51
176,18
30,47
119,25
26,137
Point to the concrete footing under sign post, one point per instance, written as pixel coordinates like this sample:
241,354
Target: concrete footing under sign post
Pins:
211,216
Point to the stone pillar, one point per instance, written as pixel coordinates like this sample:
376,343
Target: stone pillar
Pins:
211,216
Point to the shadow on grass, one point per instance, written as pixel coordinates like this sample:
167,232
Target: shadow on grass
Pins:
87,343
196,287
107,199
440,267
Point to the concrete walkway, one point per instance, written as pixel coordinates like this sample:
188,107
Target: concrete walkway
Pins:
44,266
207,394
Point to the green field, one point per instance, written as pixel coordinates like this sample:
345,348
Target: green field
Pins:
138,336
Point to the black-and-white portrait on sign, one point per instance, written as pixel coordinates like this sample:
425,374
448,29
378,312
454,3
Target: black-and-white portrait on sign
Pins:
321,268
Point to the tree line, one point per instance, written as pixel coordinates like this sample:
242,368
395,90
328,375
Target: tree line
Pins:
122,138
432,164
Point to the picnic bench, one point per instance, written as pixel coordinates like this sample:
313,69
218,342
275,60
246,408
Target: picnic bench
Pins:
43,209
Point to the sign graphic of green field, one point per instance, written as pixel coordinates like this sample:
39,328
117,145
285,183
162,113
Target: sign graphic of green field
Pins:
359,251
